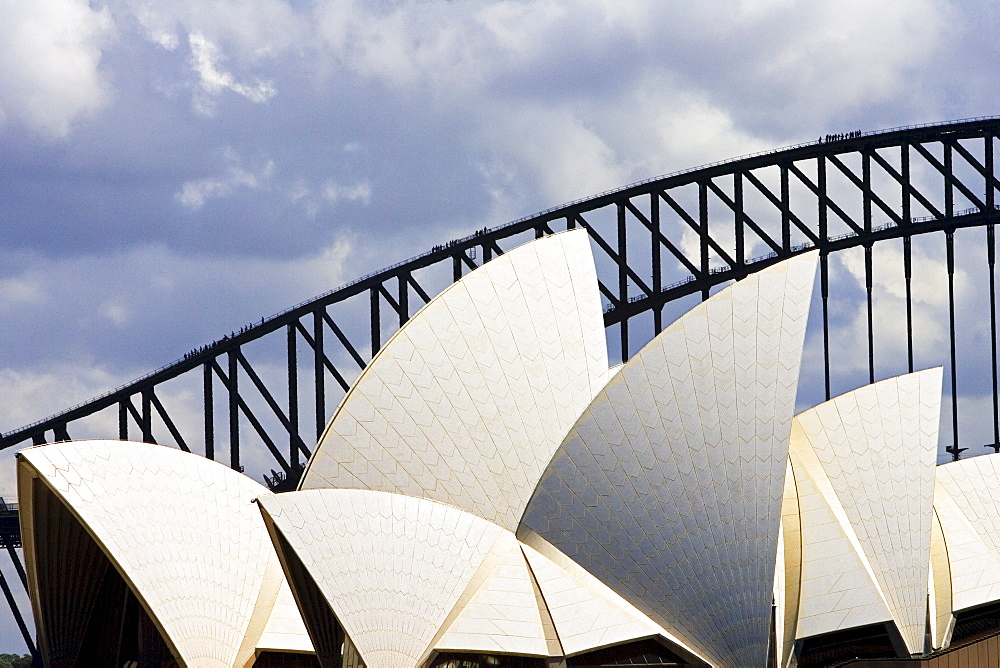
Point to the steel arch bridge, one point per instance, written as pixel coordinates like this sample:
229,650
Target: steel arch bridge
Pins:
903,220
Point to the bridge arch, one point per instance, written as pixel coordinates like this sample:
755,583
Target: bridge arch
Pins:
658,243
886,209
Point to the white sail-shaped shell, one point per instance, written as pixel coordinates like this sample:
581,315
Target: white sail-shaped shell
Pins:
967,500
669,486
183,533
391,567
868,458
468,401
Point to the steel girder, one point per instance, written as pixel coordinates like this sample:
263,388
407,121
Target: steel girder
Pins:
659,244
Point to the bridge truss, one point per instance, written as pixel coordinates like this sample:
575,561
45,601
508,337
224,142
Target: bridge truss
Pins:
903,220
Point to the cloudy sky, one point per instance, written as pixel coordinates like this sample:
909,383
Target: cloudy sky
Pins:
171,170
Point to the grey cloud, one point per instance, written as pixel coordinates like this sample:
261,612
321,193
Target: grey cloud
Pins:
395,126
50,65
131,311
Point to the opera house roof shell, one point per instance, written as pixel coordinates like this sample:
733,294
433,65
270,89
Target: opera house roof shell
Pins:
468,401
489,487
181,531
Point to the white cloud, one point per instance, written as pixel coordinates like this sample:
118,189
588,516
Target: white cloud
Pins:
38,392
443,47
557,150
205,60
313,201
253,28
359,192
243,36
323,270
695,132
116,311
193,194
50,55
32,394
581,97
854,51
847,52
15,292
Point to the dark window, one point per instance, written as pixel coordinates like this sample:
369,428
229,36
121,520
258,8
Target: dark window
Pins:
285,660
325,631
91,616
864,642
976,623
464,660
639,653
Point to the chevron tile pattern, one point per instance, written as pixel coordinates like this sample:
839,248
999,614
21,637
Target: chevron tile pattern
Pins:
876,448
284,631
502,613
468,401
669,486
587,614
837,586
182,530
967,499
391,566
490,486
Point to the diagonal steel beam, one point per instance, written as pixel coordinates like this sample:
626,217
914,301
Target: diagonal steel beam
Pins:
155,400
764,236
269,398
949,175
254,422
614,255
779,204
986,173
906,183
696,226
343,339
18,619
326,360
747,220
417,287
659,238
866,189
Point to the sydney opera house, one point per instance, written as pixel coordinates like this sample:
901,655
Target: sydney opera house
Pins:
491,493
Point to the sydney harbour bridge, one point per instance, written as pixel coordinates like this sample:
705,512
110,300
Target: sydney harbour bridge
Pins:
903,220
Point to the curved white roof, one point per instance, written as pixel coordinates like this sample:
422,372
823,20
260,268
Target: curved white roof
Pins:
407,577
669,486
864,464
940,599
502,611
967,500
587,614
468,401
391,567
837,589
284,630
787,576
183,533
